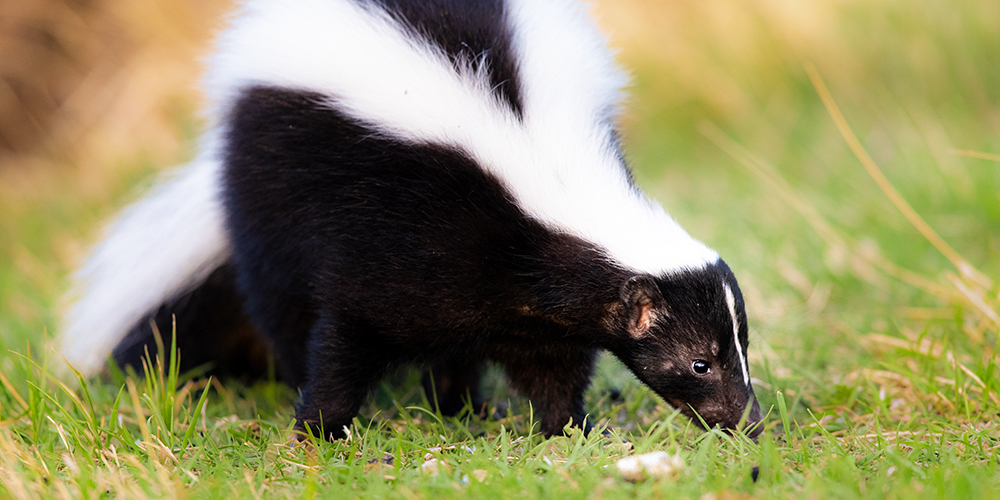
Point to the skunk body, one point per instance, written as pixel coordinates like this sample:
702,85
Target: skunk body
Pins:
434,183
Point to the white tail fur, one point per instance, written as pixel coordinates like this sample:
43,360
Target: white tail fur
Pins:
161,246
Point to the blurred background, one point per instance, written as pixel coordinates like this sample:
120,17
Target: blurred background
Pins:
723,126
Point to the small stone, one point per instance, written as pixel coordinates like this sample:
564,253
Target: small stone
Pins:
657,465
433,466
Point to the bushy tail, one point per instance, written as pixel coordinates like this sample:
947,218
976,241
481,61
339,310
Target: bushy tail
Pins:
161,249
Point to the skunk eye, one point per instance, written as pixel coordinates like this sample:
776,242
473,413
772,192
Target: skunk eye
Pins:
700,367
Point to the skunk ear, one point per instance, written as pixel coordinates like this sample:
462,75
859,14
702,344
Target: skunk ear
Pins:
639,294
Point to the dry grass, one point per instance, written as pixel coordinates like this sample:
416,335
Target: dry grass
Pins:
89,88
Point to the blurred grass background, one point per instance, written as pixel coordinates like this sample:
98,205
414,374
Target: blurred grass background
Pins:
856,317
95,96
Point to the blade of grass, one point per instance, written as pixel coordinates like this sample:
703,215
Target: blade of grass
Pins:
785,421
977,301
963,266
13,392
114,425
89,411
170,390
834,441
139,414
975,154
194,418
829,234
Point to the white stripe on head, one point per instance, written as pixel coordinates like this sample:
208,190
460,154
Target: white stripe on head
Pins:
560,161
731,301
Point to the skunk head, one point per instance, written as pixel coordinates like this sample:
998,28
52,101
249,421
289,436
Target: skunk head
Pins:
685,336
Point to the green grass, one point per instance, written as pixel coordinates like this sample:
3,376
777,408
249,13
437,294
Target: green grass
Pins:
874,350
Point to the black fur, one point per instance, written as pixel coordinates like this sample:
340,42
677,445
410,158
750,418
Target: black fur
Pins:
407,254
212,331
411,254
468,31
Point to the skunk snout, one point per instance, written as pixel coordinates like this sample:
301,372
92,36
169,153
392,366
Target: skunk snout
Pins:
730,415
754,424
755,421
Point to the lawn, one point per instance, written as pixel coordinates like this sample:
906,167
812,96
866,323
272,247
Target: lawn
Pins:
843,156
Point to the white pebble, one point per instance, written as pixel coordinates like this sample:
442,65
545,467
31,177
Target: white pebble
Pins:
657,465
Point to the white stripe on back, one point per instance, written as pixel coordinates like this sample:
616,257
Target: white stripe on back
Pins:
560,163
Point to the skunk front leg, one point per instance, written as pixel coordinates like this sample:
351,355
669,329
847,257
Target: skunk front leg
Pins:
341,373
453,383
555,378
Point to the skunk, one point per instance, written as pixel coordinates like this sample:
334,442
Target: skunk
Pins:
432,183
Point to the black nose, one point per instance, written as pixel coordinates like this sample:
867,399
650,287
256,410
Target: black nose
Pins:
755,424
